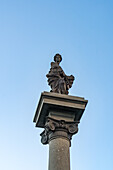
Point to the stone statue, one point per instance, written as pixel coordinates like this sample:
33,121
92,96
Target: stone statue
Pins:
57,79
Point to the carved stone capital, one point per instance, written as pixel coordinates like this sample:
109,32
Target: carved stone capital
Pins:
58,128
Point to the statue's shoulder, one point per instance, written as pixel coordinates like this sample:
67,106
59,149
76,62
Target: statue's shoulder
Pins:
54,64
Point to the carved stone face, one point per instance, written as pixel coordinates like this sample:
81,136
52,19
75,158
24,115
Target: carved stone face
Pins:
58,59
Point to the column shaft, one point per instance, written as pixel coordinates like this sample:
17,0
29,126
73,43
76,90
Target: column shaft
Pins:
59,154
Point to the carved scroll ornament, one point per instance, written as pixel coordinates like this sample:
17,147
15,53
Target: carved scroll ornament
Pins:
58,128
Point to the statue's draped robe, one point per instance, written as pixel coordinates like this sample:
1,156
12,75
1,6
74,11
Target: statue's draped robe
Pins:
59,82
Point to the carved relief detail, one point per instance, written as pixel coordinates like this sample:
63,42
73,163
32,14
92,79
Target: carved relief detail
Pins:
58,128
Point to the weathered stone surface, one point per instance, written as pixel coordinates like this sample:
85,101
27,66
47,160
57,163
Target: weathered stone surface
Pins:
59,115
57,79
69,106
58,129
59,154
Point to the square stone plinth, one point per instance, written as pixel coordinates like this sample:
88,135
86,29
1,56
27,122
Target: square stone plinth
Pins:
59,106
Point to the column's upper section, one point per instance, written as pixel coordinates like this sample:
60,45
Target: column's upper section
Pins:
59,107
57,112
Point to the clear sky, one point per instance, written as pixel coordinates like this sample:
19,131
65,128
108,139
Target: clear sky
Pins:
31,33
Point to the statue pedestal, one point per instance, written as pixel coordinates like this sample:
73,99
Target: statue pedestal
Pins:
59,115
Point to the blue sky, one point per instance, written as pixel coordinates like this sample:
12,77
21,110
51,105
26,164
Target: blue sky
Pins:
31,33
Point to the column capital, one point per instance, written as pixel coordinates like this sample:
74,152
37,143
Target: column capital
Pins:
58,129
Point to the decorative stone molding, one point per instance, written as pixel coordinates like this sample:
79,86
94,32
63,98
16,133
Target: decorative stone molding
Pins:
58,128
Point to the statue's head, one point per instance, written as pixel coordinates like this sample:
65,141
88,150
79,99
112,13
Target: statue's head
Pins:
58,58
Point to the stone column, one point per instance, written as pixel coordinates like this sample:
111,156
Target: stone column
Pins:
59,154
59,115
58,134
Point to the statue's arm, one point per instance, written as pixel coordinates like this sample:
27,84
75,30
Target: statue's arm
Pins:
62,72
